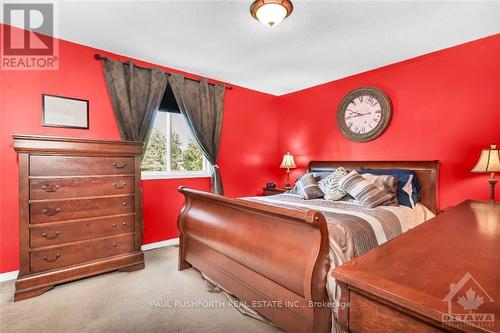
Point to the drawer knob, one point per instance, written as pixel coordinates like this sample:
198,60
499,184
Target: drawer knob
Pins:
47,259
124,203
124,223
114,225
122,185
51,212
51,237
114,244
120,165
50,187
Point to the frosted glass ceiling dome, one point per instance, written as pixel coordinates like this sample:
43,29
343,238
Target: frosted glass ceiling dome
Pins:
271,12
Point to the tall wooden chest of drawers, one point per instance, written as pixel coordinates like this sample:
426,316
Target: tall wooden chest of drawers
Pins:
80,210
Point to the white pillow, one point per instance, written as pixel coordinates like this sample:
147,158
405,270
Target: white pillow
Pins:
408,189
330,185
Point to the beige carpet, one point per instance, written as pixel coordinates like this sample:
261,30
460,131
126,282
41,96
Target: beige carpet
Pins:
141,301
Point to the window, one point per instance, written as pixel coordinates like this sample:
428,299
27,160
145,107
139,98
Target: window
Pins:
172,151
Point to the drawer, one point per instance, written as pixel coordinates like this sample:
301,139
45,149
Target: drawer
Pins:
72,209
369,316
65,232
71,254
59,188
78,166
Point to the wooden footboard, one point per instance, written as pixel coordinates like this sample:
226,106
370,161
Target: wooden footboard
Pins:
274,259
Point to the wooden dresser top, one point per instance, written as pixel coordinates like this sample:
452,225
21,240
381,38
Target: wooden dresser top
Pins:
415,270
60,145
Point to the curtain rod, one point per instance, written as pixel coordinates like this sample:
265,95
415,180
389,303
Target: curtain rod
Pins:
100,57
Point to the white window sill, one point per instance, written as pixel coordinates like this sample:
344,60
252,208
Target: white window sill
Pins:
149,175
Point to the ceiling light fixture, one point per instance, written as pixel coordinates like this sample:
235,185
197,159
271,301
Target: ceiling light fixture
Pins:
271,12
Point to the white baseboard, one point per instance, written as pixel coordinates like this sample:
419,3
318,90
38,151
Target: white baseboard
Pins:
168,242
7,276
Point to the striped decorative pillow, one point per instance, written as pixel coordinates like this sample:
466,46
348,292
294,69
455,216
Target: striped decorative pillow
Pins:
363,191
308,188
387,183
408,192
330,185
295,189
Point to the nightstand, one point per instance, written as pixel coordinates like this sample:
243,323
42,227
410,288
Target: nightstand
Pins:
272,191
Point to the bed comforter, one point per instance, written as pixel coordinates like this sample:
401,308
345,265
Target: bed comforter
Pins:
352,228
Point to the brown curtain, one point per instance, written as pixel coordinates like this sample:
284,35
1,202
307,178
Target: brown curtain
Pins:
202,106
135,94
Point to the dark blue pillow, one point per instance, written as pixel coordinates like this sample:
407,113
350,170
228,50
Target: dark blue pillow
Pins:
403,175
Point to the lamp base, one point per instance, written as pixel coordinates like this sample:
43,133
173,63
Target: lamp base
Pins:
287,184
492,182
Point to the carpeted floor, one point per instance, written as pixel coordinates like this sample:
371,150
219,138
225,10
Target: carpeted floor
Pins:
141,301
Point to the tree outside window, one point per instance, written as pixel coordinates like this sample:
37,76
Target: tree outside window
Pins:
172,150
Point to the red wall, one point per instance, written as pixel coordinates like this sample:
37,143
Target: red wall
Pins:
248,158
248,151
446,107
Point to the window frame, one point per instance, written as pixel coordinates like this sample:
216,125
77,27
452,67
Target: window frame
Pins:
169,174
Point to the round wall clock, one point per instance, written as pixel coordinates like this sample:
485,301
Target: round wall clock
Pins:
364,114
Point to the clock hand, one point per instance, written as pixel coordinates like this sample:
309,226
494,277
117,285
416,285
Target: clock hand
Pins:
357,115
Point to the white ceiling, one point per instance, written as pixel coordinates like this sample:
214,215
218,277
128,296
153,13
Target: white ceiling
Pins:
321,41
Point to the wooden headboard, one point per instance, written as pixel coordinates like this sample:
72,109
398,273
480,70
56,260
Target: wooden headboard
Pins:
427,172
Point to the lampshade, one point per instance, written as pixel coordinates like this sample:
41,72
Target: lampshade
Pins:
288,162
489,161
271,12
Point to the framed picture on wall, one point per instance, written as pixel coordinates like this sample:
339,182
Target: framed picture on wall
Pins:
59,111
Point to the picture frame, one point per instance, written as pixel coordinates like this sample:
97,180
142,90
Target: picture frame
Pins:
65,112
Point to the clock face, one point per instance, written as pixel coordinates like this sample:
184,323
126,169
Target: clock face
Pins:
364,114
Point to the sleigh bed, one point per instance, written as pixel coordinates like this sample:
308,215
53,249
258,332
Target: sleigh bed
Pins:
276,259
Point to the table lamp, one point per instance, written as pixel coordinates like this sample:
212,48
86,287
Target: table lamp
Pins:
489,162
288,163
